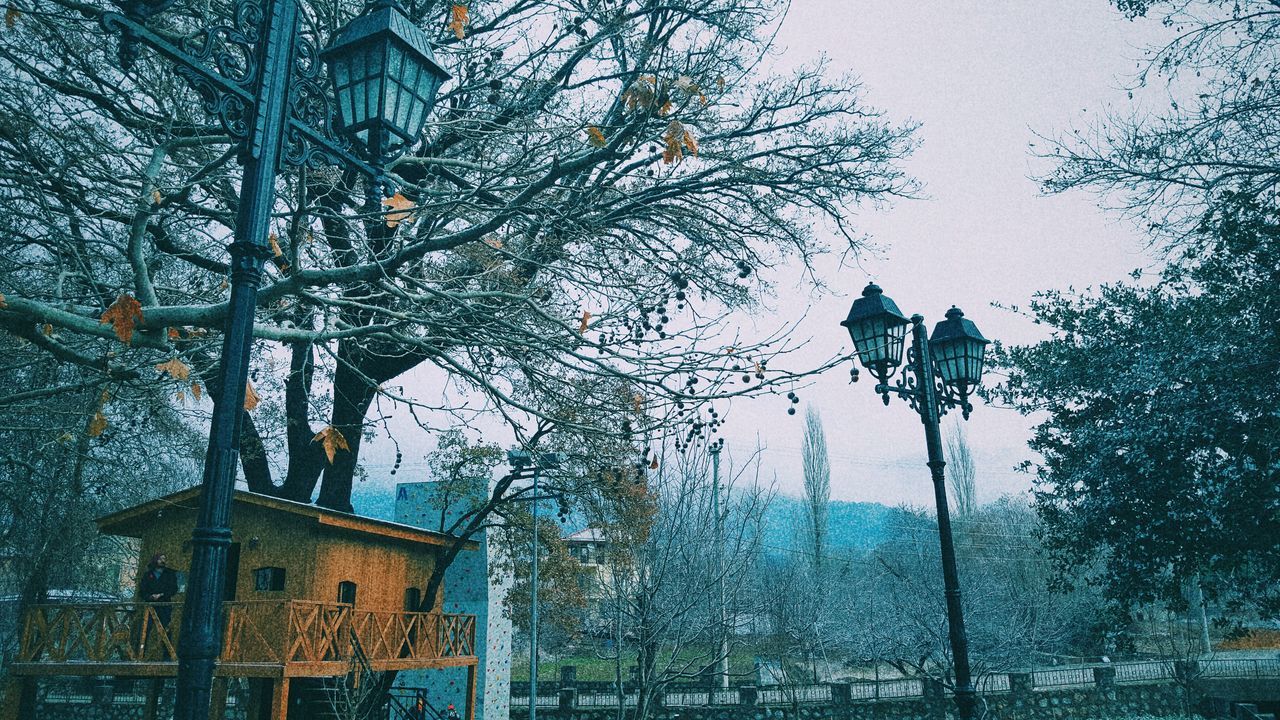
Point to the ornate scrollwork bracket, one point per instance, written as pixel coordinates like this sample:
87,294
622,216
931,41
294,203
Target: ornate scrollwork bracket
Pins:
222,64
908,388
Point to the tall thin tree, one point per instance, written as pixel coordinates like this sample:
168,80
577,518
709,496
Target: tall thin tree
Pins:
817,486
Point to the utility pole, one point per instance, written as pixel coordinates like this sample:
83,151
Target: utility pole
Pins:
722,665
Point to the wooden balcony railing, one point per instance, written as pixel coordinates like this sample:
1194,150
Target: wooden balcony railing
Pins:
311,638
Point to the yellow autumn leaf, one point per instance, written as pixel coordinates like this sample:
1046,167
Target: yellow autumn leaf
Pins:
458,16
582,324
332,441
493,242
175,369
156,197
595,137
181,397
251,398
399,208
666,109
97,425
174,334
638,402
274,241
196,391
47,329
124,315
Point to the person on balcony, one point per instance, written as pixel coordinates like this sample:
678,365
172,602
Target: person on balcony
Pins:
159,585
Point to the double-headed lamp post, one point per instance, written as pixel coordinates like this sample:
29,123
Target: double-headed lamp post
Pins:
944,368
262,79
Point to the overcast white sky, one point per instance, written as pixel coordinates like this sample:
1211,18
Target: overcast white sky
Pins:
981,77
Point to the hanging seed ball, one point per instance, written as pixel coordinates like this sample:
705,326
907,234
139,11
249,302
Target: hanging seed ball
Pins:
736,367
794,399
664,319
791,411
662,335
790,395
493,98
746,378
853,375
680,405
680,296
759,376
680,306
495,84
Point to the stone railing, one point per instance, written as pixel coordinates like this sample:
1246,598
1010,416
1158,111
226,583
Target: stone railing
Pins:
1104,677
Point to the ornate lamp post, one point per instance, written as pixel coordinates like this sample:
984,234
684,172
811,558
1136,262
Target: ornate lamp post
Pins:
263,83
944,370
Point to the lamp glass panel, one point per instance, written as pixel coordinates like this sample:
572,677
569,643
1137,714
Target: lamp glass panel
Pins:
392,90
359,112
948,358
408,79
878,342
373,87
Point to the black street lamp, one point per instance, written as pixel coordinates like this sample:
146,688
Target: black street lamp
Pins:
945,369
259,77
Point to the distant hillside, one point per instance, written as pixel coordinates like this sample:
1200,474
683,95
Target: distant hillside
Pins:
850,526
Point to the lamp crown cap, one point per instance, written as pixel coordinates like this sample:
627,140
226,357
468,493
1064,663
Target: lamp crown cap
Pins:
871,289
954,313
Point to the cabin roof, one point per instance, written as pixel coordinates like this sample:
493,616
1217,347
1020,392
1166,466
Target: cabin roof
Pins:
133,522
587,535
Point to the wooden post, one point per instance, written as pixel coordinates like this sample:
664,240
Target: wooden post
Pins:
218,704
153,698
280,699
471,692
16,690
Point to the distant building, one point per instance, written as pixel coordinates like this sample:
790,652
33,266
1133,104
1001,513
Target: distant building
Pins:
473,590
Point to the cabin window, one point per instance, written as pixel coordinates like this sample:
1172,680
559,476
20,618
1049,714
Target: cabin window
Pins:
268,579
347,592
412,599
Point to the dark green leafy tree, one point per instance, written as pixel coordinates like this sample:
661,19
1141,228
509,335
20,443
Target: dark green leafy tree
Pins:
1161,431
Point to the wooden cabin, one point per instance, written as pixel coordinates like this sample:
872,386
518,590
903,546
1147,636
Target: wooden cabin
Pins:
311,593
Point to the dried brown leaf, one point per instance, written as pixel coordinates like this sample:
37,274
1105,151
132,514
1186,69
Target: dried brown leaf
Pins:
251,398
332,440
458,17
124,315
175,369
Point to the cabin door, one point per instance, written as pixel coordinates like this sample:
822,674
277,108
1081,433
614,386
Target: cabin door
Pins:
233,572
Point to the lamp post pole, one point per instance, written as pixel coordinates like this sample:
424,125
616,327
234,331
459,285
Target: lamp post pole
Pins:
521,462
945,370
274,108
722,664
199,642
928,410
533,607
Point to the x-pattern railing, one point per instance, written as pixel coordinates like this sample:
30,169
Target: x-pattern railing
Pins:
273,632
